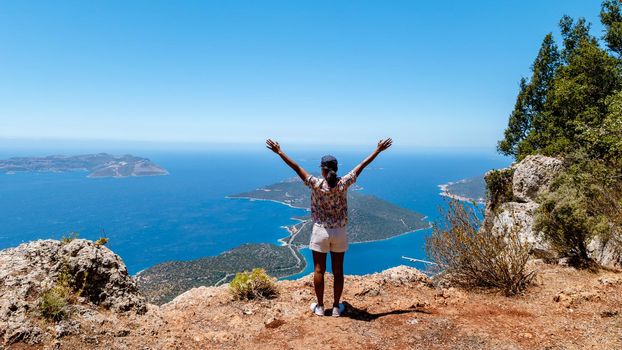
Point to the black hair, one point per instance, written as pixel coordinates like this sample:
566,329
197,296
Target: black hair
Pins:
329,163
331,178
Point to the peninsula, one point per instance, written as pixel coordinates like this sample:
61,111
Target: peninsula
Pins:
98,165
371,219
470,190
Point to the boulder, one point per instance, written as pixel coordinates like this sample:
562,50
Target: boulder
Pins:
94,272
404,275
606,252
533,175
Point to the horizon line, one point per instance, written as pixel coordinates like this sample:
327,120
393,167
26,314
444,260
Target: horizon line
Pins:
193,143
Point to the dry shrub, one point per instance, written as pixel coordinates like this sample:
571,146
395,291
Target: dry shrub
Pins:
472,256
69,237
256,284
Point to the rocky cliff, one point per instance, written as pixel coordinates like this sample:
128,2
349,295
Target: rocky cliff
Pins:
95,275
513,202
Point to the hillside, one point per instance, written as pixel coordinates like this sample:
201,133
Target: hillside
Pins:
396,309
162,282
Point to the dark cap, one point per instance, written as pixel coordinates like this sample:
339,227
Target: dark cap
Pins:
329,162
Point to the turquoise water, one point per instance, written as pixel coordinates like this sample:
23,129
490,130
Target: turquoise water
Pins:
185,215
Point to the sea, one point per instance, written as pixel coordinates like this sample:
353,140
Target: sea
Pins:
187,215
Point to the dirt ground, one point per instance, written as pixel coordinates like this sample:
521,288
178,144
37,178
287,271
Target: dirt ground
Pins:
395,309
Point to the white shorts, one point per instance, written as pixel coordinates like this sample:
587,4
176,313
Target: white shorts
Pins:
326,240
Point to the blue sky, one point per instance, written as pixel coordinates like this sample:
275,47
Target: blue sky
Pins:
431,74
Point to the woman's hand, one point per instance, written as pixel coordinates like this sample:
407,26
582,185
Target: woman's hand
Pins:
273,146
276,148
383,144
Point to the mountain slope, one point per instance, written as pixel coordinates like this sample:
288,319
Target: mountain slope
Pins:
399,308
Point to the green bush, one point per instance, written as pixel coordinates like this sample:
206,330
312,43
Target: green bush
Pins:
255,284
54,302
471,256
499,187
603,141
585,202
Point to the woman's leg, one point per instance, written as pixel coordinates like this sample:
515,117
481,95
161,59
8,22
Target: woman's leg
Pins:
336,260
319,261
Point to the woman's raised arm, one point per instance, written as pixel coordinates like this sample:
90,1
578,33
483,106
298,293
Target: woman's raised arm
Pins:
276,148
382,145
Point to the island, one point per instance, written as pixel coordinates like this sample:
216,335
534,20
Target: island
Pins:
98,165
470,190
371,219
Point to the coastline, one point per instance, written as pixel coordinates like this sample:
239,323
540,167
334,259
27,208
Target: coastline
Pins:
266,200
91,176
289,229
398,235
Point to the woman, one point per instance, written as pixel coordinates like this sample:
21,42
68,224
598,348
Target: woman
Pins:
329,211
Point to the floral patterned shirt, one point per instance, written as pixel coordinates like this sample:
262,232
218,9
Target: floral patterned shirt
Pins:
329,206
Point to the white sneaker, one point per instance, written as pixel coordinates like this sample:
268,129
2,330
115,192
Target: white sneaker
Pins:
317,309
338,311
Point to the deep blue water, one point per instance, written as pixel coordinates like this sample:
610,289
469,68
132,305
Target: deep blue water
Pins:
185,215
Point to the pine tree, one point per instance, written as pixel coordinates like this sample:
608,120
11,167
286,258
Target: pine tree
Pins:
578,96
611,18
566,94
518,123
573,34
531,101
543,68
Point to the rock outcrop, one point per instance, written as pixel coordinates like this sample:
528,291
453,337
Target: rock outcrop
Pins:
515,212
533,176
520,217
517,206
97,276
